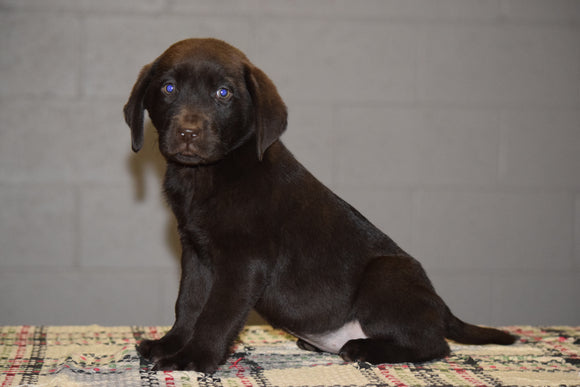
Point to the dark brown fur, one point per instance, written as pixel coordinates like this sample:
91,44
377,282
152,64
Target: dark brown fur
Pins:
258,230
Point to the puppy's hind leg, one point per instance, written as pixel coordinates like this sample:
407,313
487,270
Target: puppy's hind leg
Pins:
399,312
376,351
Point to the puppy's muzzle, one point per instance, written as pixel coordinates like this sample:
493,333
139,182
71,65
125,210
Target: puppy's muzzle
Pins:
187,140
190,133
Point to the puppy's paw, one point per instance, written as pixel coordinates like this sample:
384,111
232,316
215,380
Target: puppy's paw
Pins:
145,348
167,364
155,350
183,362
374,351
353,351
307,346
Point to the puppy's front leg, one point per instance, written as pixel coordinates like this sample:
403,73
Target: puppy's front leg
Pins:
194,289
232,296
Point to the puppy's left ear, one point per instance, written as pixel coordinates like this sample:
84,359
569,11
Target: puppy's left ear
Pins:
134,108
270,113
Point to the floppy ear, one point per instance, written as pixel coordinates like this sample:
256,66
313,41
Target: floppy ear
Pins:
134,108
270,113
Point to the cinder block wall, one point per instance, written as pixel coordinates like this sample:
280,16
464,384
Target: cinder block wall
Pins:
454,125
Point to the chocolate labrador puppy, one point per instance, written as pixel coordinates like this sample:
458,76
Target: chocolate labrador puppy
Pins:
259,231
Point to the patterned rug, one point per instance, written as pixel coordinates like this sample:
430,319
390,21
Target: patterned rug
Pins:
106,356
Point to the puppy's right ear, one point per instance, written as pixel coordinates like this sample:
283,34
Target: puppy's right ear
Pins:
134,108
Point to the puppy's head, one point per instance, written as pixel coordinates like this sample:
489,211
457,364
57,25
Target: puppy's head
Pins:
205,99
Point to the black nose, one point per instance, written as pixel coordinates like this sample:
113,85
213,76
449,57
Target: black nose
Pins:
188,134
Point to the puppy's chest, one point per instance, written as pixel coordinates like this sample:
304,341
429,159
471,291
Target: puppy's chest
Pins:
216,213
218,210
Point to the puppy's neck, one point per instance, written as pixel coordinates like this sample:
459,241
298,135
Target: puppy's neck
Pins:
204,180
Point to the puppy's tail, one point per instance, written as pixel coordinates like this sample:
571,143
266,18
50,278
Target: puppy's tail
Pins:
465,333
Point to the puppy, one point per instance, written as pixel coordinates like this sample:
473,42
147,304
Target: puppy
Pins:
259,231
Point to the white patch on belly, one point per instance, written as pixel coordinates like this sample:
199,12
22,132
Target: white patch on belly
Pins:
333,341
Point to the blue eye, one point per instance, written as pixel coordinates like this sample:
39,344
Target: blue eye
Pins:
223,93
169,88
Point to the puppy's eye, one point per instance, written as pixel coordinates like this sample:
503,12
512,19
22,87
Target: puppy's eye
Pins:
223,94
168,88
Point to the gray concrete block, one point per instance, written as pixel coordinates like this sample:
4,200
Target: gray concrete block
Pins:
336,61
577,233
78,297
37,225
494,230
41,54
467,293
117,47
540,148
133,6
378,146
119,231
310,137
409,10
512,65
555,11
545,298
38,139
